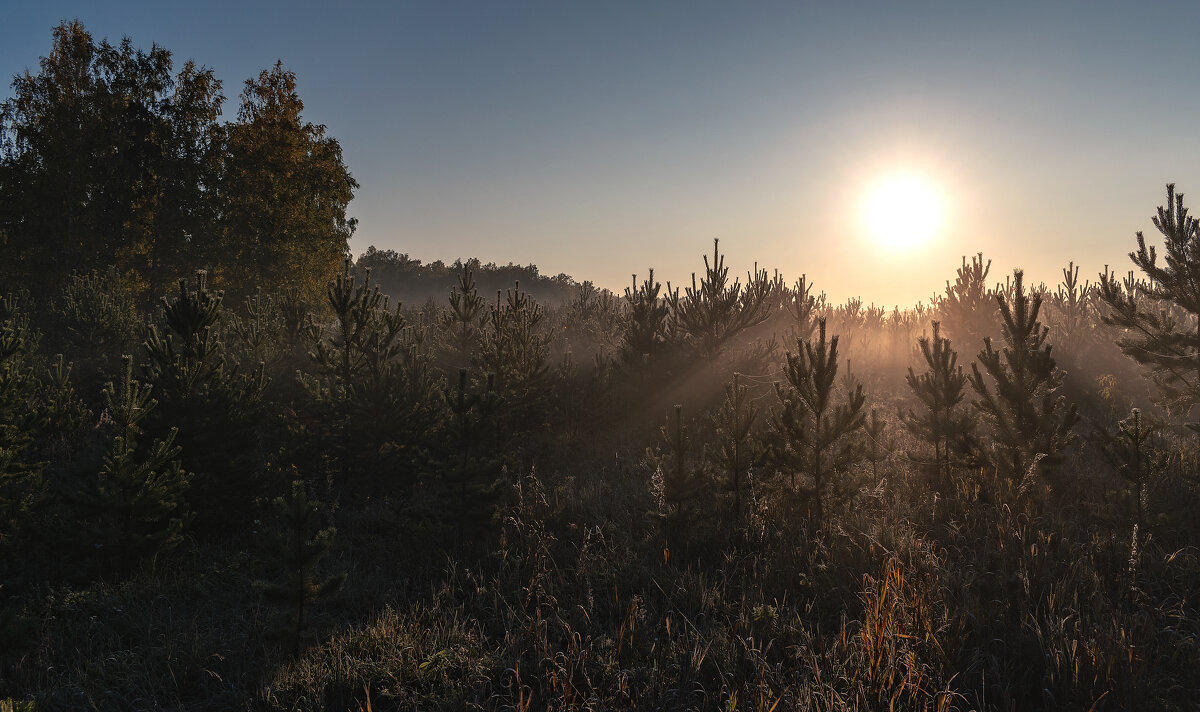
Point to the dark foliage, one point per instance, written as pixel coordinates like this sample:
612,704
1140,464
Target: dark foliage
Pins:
1030,421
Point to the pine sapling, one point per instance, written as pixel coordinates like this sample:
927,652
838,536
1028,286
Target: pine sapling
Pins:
875,450
813,435
367,336
682,482
714,311
215,407
471,478
514,346
1072,304
940,389
736,447
967,308
136,502
1130,451
1030,422
646,323
1160,317
463,319
298,554
803,308
97,323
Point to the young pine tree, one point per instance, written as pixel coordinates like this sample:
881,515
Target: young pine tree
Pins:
64,419
298,553
1130,451
646,324
736,450
940,389
515,348
1030,422
43,427
1073,327
398,409
967,309
97,322
463,319
875,448
803,307
470,473
215,408
365,338
256,335
1160,320
20,467
813,435
713,312
514,345
299,332
676,480
136,505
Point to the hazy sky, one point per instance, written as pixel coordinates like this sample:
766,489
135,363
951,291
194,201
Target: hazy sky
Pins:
599,139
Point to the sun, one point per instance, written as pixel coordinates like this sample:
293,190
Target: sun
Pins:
903,211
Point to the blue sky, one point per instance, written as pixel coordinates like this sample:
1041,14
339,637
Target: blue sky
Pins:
603,138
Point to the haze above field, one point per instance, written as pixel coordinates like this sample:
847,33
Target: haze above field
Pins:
601,139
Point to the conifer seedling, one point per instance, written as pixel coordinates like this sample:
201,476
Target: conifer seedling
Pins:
299,553
1160,317
1030,421
736,447
137,500
940,390
681,481
813,435
1130,451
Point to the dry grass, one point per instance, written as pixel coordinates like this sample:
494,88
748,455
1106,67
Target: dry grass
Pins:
978,598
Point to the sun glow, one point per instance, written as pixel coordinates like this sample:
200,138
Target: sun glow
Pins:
903,211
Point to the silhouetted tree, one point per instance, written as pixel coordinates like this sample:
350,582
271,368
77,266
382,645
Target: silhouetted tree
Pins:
1030,422
1073,327
215,407
136,504
804,308
736,448
714,311
812,435
1160,320
286,189
364,339
967,309
678,480
298,553
1131,453
941,390
106,157
513,345
514,348
463,319
646,324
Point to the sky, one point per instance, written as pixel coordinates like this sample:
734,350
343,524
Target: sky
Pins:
599,139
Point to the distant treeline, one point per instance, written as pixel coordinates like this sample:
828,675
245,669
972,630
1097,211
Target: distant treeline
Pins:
412,282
